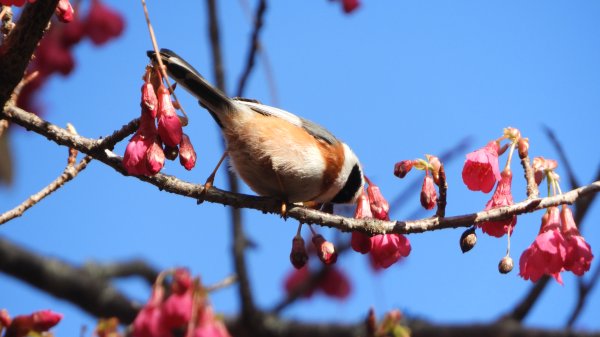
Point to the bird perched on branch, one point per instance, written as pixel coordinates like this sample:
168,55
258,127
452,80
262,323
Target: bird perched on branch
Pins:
275,152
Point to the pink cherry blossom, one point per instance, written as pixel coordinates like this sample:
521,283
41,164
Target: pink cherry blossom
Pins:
546,255
481,171
579,253
502,197
386,249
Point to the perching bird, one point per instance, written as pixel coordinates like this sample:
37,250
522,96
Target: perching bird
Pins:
276,153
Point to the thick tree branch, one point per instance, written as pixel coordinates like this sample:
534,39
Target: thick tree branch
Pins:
18,48
76,285
172,184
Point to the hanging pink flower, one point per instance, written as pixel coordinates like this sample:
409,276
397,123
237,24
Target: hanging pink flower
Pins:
481,171
502,197
386,249
546,255
579,253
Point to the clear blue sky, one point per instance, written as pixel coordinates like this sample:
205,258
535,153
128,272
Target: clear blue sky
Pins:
395,80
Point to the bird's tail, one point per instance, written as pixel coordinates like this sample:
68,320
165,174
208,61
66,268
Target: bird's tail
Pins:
215,101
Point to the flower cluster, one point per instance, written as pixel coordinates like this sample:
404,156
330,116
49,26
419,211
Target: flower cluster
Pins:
163,314
558,247
25,325
384,249
481,172
54,54
144,154
432,167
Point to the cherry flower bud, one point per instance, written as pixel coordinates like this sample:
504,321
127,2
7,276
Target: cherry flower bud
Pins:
506,265
435,167
428,193
379,206
187,155
298,255
64,11
169,125
325,249
155,158
149,99
523,147
350,5
468,239
402,168
363,207
44,320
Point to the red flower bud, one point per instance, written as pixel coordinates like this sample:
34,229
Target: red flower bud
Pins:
169,125
402,168
64,11
363,207
149,100
325,249
44,320
298,255
187,155
379,206
428,193
155,158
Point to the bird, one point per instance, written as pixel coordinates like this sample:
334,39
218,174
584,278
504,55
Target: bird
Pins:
276,153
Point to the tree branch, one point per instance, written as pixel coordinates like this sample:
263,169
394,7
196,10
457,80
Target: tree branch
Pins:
20,44
93,294
172,184
67,175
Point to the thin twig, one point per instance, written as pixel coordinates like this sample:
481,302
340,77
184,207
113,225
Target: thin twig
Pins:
532,188
443,187
68,174
162,67
224,283
122,269
254,47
